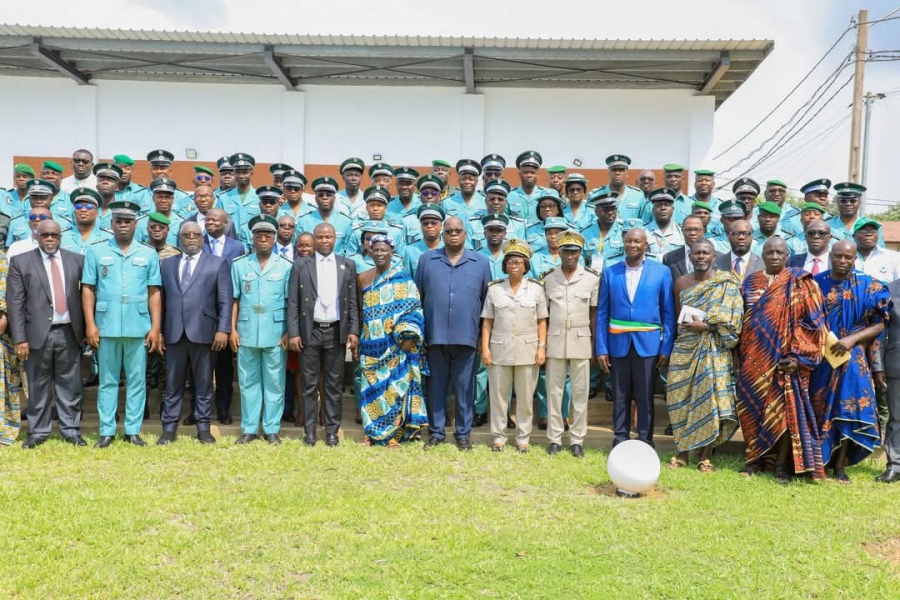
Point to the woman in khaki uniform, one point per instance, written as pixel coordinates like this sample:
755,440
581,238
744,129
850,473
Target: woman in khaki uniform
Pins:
513,342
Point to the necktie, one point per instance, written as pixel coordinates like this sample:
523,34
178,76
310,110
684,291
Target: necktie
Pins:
186,272
60,306
815,269
737,266
284,251
687,259
215,246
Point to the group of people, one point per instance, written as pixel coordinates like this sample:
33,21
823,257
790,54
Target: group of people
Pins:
507,296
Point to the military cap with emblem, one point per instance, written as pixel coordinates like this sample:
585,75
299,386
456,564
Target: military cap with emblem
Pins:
123,159
107,169
242,160
159,218
52,166
377,193
278,169
663,194
467,165
576,178
570,240
380,169
203,169
812,206
163,184
431,211
817,185
603,197
224,164
440,163
353,163
495,220
549,195
731,208
776,183
160,157
557,169
124,209
673,168
618,161
702,205
555,223
529,158
498,186
770,207
325,183
371,226
866,222
493,161
430,181
41,187
24,169
704,173
518,247
83,194
745,185
263,223
848,188
269,192
406,174
293,177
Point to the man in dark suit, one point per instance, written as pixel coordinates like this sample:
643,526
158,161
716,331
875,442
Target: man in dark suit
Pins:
218,242
197,300
740,260
43,296
677,260
886,373
817,258
204,200
323,320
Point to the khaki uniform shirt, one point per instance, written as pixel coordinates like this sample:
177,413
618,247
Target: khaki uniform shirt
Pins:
571,303
514,336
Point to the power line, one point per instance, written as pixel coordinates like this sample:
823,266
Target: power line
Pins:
821,135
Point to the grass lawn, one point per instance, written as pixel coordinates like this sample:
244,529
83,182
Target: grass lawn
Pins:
353,522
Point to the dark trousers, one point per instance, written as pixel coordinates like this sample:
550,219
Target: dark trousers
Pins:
224,371
55,370
892,431
290,393
632,377
322,353
184,358
451,364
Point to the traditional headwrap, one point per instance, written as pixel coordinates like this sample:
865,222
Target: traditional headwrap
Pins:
383,238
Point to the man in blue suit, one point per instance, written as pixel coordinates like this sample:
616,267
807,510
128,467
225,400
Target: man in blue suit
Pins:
217,242
634,337
197,300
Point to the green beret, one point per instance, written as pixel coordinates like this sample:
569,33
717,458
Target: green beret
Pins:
24,169
703,205
123,159
673,168
770,207
704,172
556,169
159,218
203,169
864,222
776,183
440,163
53,166
812,206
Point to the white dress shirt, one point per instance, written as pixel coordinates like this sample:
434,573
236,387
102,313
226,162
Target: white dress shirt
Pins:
824,262
326,310
70,183
744,260
184,258
58,319
633,278
201,220
882,264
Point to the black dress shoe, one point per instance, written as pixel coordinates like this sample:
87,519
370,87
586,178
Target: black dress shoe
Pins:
331,440
92,381
576,450
246,438
166,438
225,419
510,424
593,392
542,424
889,476
668,430
431,442
190,420
286,418
309,440
553,449
464,444
104,441
75,440
32,442
479,420
273,439
205,437
135,439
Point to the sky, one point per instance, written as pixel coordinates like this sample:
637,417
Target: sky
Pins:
802,31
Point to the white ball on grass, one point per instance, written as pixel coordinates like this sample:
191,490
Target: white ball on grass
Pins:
633,466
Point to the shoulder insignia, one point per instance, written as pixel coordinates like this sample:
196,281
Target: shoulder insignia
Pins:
146,245
358,225
547,272
496,281
538,281
634,188
592,271
99,242
241,257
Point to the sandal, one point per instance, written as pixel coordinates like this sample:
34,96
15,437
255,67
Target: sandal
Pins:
522,449
706,466
676,463
367,442
843,479
782,477
497,448
751,469
394,445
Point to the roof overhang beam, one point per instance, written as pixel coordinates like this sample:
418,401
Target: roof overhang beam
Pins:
53,60
716,74
274,64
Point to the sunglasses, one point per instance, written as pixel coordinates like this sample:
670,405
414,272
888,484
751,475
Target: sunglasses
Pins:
429,193
46,235
81,161
204,178
191,235
817,234
324,194
34,217
454,231
84,206
847,200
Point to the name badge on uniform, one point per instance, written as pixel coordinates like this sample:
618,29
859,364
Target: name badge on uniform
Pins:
248,279
139,261
105,262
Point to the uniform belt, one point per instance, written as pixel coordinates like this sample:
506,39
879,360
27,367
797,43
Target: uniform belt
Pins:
320,325
575,323
122,298
259,309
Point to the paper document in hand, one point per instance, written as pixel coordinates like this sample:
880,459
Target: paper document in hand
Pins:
689,312
833,359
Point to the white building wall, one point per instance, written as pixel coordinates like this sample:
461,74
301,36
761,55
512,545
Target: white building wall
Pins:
326,124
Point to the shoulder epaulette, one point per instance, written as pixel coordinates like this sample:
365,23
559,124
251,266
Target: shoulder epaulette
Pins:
285,258
634,188
146,245
357,225
496,281
539,281
547,272
99,242
241,257
590,270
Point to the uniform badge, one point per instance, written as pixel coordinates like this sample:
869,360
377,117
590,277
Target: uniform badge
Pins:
247,286
104,271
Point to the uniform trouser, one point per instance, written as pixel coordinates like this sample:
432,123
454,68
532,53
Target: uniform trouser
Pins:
632,377
186,358
500,380
541,393
451,363
481,387
579,372
892,431
55,371
224,374
114,354
261,381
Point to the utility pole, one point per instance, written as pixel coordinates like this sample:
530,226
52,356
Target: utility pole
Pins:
862,38
869,98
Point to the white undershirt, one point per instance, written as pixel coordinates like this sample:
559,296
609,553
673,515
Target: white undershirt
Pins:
326,310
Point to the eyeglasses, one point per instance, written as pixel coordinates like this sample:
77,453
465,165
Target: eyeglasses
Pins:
454,231
691,230
123,220
847,200
293,188
868,231
324,194
204,196
286,225
646,178
84,206
429,193
740,233
429,222
817,234
269,201
45,235
38,217
81,161
191,235
515,262
204,178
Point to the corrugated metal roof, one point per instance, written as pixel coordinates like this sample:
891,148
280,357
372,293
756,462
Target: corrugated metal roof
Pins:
92,53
